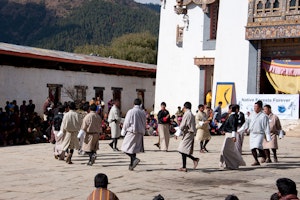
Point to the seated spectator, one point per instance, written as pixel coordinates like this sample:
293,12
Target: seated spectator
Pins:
286,189
151,125
173,124
101,191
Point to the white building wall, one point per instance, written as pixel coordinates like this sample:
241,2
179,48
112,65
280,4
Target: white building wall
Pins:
232,50
31,83
177,78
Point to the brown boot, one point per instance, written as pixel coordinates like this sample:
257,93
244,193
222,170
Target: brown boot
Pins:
62,155
69,157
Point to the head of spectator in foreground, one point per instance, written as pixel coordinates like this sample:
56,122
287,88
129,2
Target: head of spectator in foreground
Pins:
285,187
231,197
93,107
101,181
137,102
187,105
274,196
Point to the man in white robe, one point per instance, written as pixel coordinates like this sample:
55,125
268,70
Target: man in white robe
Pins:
259,129
114,120
134,128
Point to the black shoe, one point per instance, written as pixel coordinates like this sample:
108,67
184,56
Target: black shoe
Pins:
111,145
116,149
135,163
94,156
157,144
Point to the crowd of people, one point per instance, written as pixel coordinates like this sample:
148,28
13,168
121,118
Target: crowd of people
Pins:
21,124
71,128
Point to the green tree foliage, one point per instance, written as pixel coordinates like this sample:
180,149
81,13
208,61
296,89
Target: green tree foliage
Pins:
137,47
95,22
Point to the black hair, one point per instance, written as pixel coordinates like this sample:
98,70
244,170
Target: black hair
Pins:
286,186
163,104
274,196
231,197
61,109
101,181
259,103
72,105
93,107
137,102
233,108
200,106
268,106
86,106
187,105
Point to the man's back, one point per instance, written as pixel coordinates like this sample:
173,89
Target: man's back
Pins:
102,193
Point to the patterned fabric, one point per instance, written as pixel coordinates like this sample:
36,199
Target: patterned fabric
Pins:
102,194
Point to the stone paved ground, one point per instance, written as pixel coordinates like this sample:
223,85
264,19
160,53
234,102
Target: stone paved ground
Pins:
31,172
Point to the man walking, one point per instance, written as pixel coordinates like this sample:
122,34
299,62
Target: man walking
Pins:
163,117
91,125
114,120
259,128
70,126
186,146
134,129
230,156
275,128
202,126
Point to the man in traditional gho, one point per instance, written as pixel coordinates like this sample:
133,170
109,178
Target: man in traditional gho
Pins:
134,129
163,117
70,126
188,128
259,128
202,126
91,125
57,120
114,120
275,128
230,156
240,135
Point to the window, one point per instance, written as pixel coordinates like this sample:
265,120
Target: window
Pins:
54,92
213,15
99,92
268,6
117,94
259,7
80,93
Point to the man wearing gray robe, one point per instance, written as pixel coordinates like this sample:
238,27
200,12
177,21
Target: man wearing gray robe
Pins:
114,120
70,127
188,128
134,128
259,128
